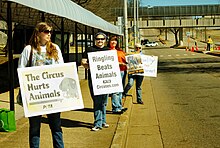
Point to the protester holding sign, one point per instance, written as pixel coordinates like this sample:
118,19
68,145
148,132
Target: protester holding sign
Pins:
99,101
138,78
44,52
116,98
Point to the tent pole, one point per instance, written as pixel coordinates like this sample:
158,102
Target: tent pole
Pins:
10,57
76,45
62,36
86,46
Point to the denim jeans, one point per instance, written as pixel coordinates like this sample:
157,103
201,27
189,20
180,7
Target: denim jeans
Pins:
99,107
116,102
139,80
117,97
55,127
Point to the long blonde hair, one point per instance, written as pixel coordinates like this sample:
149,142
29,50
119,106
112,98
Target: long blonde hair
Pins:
51,50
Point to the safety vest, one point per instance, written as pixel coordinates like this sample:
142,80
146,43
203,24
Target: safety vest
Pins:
210,41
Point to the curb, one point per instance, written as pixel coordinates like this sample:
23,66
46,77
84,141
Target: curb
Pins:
120,137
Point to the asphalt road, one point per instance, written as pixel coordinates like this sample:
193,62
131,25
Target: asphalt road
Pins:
187,98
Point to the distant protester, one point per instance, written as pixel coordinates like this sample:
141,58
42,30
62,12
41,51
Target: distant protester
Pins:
99,101
138,78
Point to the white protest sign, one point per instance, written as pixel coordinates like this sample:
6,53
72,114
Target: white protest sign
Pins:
150,65
105,72
50,89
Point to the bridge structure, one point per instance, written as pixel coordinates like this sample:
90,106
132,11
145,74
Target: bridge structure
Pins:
189,17
172,16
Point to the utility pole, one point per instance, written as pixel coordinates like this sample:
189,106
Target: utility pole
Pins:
138,31
126,25
135,23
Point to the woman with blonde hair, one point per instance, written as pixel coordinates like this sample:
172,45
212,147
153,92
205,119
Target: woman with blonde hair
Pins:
41,51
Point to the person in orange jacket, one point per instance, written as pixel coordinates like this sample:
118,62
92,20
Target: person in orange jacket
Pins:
116,98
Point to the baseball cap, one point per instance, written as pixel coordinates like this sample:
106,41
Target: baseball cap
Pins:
100,33
137,45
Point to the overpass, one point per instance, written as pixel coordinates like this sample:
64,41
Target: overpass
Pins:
199,17
179,23
171,16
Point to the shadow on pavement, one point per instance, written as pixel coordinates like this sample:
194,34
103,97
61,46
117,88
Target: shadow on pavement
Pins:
174,66
70,123
91,110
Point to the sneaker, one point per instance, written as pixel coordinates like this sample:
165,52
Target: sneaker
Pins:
124,109
140,102
117,112
105,125
95,129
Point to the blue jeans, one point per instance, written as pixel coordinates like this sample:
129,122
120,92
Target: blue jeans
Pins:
55,127
139,80
116,102
99,107
117,97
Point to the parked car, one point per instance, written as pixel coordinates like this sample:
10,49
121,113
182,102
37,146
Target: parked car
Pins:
143,42
151,44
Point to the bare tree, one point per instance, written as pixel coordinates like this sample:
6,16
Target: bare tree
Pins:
81,2
175,31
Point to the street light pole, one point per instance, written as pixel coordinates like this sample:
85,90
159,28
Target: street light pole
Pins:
135,23
138,31
126,25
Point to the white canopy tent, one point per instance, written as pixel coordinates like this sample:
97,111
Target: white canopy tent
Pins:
27,12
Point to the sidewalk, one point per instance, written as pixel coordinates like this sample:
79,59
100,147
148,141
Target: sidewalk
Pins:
76,125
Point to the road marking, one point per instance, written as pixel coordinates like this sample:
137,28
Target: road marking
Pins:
169,55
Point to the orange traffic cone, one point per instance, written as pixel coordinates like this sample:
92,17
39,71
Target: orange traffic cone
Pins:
192,49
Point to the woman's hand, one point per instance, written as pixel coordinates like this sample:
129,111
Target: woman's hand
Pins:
84,63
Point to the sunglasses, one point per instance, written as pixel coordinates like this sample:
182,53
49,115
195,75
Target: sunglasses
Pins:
100,38
47,31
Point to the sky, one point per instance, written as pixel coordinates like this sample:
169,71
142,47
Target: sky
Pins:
178,2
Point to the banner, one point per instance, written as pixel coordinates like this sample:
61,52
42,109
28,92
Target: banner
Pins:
149,65
105,72
50,89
